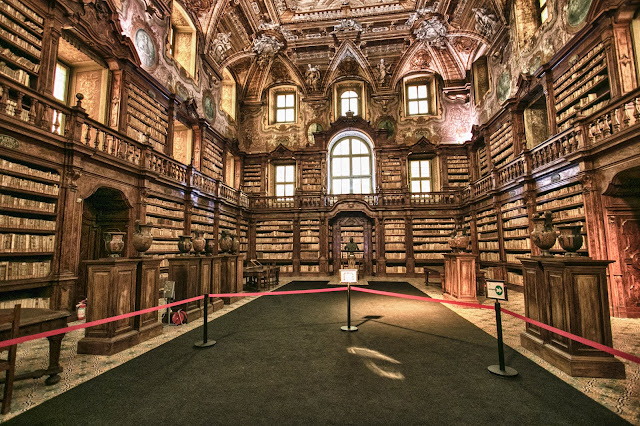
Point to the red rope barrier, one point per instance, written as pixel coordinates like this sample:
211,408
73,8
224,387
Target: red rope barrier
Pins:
579,339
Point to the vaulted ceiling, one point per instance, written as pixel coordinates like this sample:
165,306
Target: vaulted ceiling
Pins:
409,35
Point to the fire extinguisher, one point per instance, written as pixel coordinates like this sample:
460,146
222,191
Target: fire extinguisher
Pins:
81,308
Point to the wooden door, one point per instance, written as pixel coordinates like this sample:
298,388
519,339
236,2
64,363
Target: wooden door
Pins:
356,227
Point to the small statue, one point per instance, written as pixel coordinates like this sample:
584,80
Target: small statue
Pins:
313,77
351,246
383,71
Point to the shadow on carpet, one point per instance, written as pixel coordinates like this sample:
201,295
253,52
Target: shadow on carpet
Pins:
284,360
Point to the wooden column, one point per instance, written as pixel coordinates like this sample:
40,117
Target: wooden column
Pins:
408,237
296,245
381,265
323,240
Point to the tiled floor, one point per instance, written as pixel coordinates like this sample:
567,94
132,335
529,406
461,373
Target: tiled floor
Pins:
621,396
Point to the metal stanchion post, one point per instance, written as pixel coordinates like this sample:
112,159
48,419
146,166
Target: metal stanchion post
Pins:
349,327
501,369
205,343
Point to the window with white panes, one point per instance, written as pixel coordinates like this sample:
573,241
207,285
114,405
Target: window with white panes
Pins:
285,108
349,102
351,165
417,99
420,176
285,180
544,12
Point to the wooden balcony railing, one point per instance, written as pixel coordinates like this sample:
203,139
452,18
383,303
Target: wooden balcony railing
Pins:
615,119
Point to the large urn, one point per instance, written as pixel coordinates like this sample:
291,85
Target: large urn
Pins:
570,239
198,242
235,244
543,234
209,246
225,242
114,242
184,244
142,238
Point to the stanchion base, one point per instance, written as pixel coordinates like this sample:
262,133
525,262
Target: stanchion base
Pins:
507,372
347,328
203,344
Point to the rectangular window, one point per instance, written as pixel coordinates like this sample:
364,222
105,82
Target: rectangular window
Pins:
285,180
417,99
285,108
544,12
60,89
420,175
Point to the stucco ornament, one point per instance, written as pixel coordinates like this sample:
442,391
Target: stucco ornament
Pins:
486,22
312,77
413,18
266,47
347,25
433,32
220,46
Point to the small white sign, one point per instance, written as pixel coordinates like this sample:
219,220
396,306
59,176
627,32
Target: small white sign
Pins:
496,290
348,275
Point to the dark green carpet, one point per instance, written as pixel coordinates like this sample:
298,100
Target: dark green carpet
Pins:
284,360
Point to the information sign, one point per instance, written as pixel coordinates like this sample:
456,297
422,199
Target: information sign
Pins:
496,289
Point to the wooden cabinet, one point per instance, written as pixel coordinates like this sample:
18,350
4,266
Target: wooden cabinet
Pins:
147,288
570,294
185,272
111,291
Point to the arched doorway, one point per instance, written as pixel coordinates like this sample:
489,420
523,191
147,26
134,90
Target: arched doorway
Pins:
358,226
622,209
107,209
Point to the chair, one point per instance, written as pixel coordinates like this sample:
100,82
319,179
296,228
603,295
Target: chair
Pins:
9,364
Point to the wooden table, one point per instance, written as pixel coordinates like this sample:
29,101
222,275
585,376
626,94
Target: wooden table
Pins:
266,275
33,321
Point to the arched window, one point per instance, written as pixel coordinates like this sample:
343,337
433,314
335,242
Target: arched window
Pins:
228,95
351,164
349,102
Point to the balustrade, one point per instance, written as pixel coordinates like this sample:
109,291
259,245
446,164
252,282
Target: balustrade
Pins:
614,119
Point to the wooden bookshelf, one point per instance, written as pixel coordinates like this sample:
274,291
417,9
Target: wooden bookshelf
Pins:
167,218
566,204
243,236
501,145
146,116
488,244
203,219
395,250
390,173
309,245
28,210
212,157
21,32
431,240
582,88
458,170
516,240
483,160
252,177
274,243
311,175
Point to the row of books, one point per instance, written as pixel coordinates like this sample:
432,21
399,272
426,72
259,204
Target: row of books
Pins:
166,233
574,199
269,247
25,203
27,223
513,258
394,246
432,246
19,10
13,270
488,245
21,168
151,209
163,221
517,244
520,232
16,243
490,257
29,185
519,221
515,278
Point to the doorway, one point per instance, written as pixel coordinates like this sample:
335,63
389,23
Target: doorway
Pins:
107,209
357,226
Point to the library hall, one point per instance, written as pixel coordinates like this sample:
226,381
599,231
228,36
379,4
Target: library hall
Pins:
320,212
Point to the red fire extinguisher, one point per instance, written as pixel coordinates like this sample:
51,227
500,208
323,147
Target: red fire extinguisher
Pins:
81,308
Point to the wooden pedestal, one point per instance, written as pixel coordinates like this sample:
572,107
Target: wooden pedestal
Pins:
111,291
231,276
207,276
460,276
569,294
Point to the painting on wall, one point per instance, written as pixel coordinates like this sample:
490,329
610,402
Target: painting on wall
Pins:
577,11
504,86
388,125
209,107
146,48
